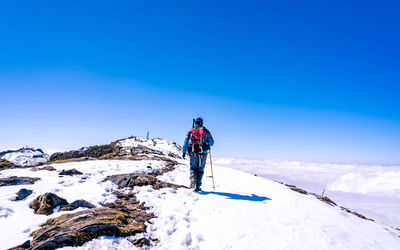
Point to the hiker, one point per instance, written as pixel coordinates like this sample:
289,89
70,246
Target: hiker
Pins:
197,143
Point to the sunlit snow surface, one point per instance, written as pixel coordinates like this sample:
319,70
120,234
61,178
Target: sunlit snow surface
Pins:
18,220
250,212
371,190
243,211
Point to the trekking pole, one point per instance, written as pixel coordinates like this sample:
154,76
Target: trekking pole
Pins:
212,175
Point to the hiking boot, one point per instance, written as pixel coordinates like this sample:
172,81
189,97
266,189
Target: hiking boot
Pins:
197,189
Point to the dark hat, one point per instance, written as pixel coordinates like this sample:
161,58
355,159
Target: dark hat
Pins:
199,121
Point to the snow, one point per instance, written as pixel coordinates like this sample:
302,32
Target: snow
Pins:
164,146
25,156
249,212
19,220
371,190
244,211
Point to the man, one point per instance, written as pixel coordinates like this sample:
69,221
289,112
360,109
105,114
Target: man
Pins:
197,143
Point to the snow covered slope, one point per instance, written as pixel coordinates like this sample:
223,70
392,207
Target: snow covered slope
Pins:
243,211
371,190
166,147
249,212
25,156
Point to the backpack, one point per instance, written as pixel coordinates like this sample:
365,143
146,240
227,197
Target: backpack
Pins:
197,142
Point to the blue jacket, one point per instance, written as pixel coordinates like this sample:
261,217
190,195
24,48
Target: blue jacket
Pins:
208,138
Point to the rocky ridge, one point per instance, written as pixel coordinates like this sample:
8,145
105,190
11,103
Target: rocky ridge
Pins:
124,217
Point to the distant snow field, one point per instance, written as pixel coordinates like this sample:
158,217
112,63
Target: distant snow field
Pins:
371,190
25,156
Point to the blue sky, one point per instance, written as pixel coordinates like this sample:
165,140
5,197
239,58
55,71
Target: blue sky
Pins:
302,80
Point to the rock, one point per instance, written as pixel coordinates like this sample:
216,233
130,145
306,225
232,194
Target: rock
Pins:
44,204
78,203
14,180
48,168
296,189
4,164
22,194
139,179
70,172
92,152
75,229
141,242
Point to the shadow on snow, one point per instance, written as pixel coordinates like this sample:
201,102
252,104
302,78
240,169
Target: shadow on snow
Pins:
251,197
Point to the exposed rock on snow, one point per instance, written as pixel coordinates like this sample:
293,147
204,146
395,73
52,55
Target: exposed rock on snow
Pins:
91,152
122,218
70,172
78,203
132,148
132,180
44,204
23,193
77,228
4,164
14,180
25,156
48,168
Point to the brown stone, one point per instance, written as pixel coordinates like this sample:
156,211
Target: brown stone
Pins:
44,204
48,168
125,217
78,203
14,180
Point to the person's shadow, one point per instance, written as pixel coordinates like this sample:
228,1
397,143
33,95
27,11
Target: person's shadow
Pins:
251,197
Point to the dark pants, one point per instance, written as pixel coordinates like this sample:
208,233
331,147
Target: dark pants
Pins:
197,164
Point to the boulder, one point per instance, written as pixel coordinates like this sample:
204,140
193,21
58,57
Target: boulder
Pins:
44,204
126,217
78,203
14,180
22,194
70,172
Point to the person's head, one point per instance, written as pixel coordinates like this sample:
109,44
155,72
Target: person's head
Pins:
199,122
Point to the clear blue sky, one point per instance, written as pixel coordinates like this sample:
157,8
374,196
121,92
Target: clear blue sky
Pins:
305,80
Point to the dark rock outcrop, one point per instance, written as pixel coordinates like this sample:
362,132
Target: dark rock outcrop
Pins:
4,164
14,180
70,172
144,179
78,203
44,204
22,194
92,152
125,217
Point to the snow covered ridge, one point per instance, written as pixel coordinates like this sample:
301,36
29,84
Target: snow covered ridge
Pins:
25,156
166,147
123,149
371,190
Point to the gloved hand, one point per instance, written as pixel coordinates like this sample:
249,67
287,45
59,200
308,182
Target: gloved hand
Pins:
183,155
